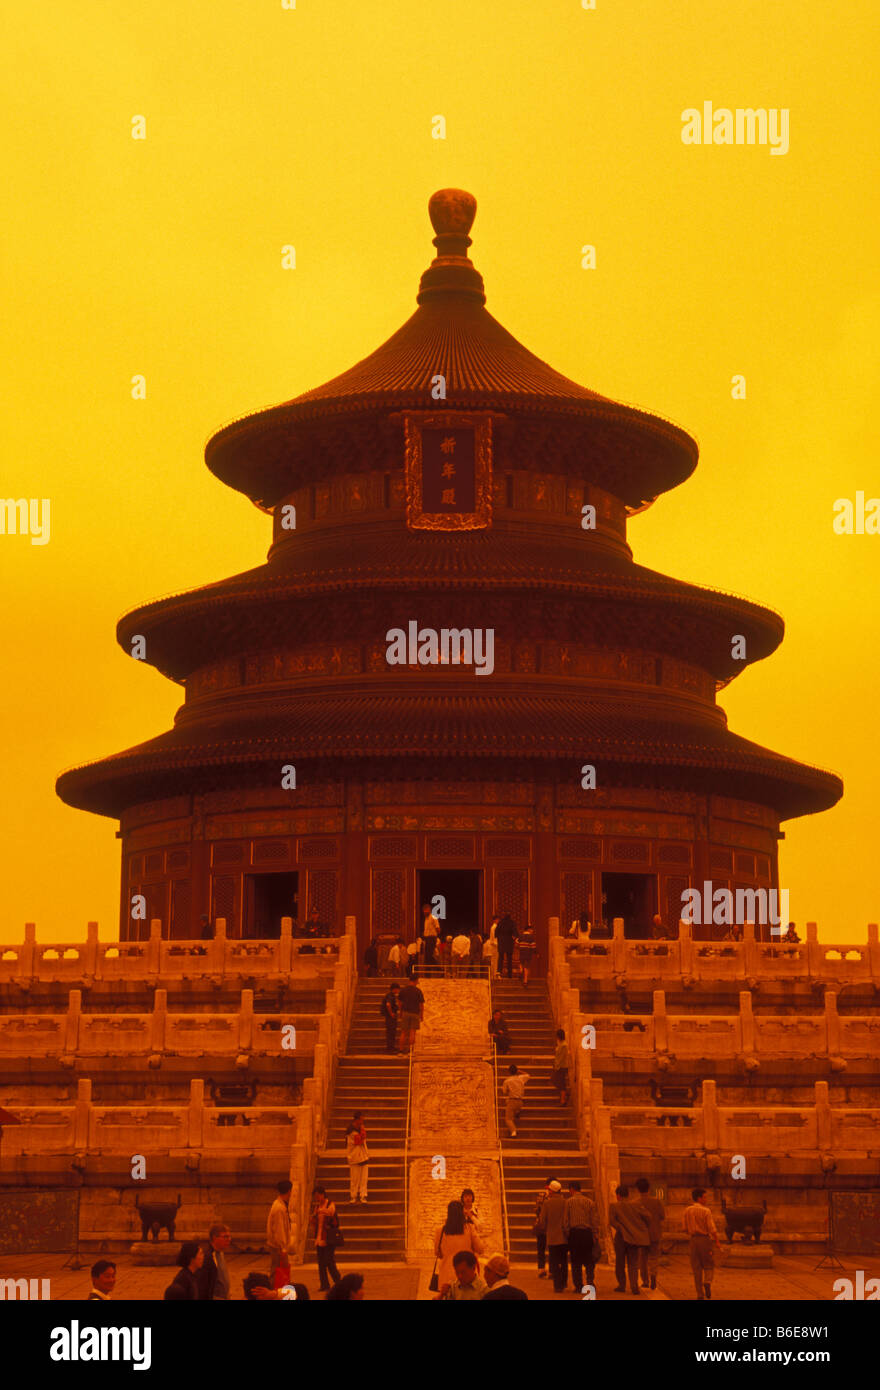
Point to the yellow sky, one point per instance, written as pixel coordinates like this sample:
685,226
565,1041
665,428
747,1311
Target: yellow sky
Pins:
312,127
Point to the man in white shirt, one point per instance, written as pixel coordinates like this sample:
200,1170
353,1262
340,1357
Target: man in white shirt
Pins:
461,952
513,1091
700,1227
430,931
394,963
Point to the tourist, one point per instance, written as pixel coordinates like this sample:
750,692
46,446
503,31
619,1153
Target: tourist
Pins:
701,1231
649,1255
412,1013
527,945
103,1274
349,1288
453,1236
358,1157
278,1226
396,957
412,955
539,1230
552,1222
476,953
315,926
631,1226
468,1201
499,1031
325,1224
371,957
792,934
430,932
391,1014
445,949
490,952
513,1091
257,1290
461,951
495,1272
580,1225
506,935
467,1286
185,1283
561,1064
206,928
214,1273
658,931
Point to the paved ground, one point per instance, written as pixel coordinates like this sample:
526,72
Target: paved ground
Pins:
793,1277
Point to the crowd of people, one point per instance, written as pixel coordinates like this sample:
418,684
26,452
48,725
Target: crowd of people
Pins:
464,950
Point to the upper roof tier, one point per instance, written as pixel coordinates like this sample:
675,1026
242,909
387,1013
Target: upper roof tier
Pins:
630,453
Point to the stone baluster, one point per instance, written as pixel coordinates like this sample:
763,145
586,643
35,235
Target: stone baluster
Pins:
218,952
159,1022
750,951
154,948
711,1117
824,1135
246,1021
71,1026
26,960
82,1115
814,952
874,953
832,1024
748,1041
661,1022
90,962
285,946
618,948
195,1136
553,927
685,947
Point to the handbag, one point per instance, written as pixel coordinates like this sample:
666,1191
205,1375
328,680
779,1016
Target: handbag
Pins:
434,1282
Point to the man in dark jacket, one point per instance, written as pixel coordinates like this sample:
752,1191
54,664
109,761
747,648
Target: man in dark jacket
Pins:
505,935
391,1015
213,1277
631,1225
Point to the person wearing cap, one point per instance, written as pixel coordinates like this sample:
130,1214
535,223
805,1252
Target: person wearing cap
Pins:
495,1272
552,1222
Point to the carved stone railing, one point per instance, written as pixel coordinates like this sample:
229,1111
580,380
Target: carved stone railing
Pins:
745,1037
687,960
221,959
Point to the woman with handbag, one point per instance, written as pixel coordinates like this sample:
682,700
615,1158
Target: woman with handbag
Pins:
327,1237
454,1235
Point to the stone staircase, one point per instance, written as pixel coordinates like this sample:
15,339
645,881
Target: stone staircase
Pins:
372,1081
547,1143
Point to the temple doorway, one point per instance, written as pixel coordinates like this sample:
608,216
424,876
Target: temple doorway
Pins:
632,897
460,895
268,898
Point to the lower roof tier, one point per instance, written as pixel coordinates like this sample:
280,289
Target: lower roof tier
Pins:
540,586
408,731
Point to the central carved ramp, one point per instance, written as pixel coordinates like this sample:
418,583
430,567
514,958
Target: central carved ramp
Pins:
453,1141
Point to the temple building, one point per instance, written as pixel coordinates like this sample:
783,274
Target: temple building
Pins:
450,682
449,482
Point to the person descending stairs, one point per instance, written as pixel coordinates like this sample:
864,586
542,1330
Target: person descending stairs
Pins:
370,1080
546,1144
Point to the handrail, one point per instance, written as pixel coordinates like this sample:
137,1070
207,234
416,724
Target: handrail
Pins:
406,1156
504,1216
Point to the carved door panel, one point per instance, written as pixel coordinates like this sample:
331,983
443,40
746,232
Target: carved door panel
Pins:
511,894
577,897
322,895
388,902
